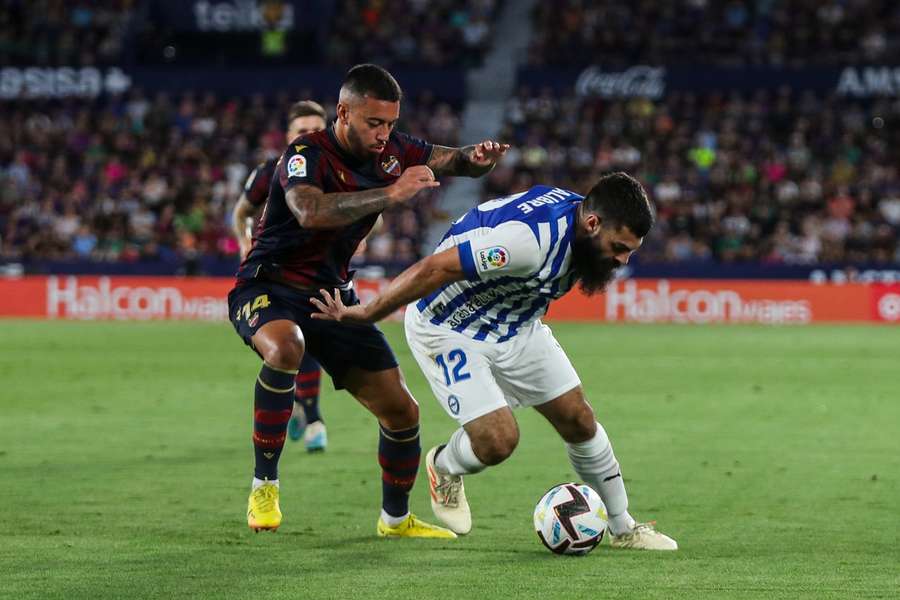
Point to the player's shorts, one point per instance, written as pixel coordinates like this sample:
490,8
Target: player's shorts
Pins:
472,378
338,347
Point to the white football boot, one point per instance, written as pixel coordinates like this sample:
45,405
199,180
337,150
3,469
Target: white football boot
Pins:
643,536
448,497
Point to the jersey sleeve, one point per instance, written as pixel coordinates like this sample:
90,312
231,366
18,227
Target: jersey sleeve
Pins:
415,151
509,249
300,165
256,188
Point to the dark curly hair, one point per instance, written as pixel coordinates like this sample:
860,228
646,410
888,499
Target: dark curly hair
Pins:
620,199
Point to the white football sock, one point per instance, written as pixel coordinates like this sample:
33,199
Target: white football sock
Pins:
458,457
392,521
597,466
258,482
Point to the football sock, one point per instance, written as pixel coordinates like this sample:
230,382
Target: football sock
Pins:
391,520
307,393
457,457
597,466
398,454
273,401
258,482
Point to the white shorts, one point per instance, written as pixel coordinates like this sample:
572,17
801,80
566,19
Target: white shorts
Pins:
471,378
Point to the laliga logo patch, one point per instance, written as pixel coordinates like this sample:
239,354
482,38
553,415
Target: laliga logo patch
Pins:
493,258
296,166
254,319
391,166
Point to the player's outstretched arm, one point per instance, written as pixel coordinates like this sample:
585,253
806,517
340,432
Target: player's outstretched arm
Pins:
242,223
416,282
314,209
468,161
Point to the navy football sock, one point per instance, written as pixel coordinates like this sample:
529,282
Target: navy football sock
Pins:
399,453
274,398
307,393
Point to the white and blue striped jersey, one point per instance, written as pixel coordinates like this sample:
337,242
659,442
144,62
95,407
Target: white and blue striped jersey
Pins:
516,252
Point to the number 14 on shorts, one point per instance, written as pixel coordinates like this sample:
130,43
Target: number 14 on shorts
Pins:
453,366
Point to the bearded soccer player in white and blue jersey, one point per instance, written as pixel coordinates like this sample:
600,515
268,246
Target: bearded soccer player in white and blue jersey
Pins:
476,332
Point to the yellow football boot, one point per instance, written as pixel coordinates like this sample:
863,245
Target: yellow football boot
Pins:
412,527
262,508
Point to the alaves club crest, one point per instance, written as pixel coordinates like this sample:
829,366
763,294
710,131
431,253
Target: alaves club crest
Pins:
391,166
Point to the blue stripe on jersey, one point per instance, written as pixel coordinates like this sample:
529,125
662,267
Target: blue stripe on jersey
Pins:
424,302
493,304
494,323
467,261
468,293
482,310
542,301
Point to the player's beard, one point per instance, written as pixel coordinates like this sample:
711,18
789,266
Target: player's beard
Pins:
357,146
594,271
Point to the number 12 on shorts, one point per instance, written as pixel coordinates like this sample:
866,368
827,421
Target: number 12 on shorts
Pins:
456,359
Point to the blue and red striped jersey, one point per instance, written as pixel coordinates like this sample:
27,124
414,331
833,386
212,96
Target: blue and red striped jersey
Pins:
256,188
282,248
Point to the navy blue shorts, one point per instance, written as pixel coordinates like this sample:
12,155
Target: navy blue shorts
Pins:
338,347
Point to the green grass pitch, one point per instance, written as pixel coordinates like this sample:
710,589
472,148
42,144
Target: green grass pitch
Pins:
771,454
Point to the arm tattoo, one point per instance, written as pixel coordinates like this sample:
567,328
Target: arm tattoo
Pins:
315,209
455,161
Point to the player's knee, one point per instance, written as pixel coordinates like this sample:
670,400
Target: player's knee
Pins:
494,448
401,415
286,354
580,426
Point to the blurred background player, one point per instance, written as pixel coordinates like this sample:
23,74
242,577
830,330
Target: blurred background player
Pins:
477,334
305,116
328,190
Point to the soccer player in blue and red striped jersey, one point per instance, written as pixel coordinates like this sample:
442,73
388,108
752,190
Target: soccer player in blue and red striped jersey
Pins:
305,116
328,191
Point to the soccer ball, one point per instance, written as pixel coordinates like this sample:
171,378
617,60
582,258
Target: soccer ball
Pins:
570,519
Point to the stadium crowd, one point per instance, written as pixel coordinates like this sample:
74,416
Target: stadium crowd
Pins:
771,177
736,32
155,178
427,33
58,32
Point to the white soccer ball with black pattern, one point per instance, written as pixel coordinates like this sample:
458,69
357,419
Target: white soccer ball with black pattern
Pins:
570,519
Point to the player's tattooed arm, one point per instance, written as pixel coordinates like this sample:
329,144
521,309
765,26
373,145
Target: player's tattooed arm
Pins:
468,161
416,282
314,209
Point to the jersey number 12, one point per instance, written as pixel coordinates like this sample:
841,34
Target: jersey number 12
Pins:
459,358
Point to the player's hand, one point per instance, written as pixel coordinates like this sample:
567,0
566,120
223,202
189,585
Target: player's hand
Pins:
487,153
411,182
333,309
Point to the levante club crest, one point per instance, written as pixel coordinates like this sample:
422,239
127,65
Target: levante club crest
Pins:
391,166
